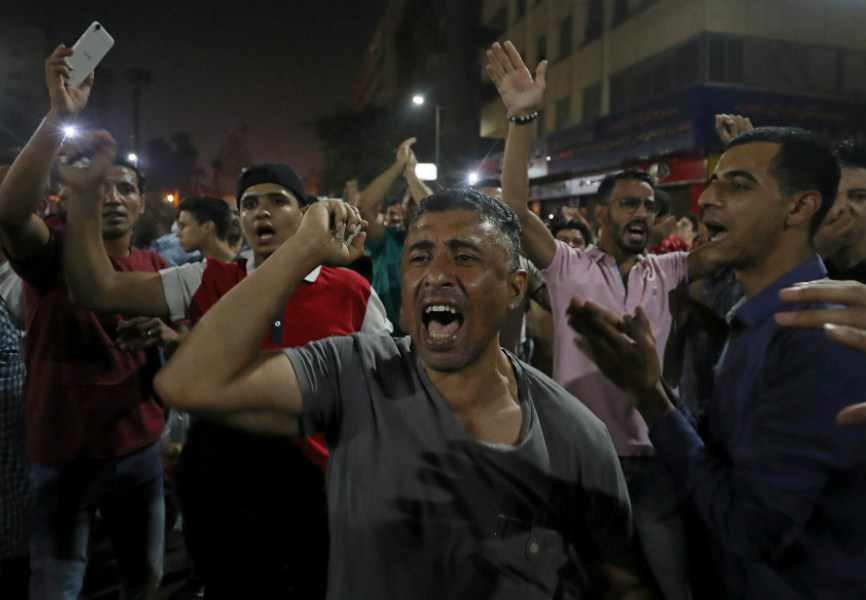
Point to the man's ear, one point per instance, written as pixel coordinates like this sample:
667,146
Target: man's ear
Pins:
516,288
143,203
208,226
801,207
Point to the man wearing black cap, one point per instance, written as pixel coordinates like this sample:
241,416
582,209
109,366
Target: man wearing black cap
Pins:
249,533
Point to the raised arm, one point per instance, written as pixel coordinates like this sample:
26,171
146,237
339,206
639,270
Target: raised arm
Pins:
93,282
417,188
522,97
370,201
247,387
25,233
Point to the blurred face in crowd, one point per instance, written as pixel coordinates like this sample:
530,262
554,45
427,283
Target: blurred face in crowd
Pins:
685,229
270,214
122,203
627,218
850,198
394,217
190,233
571,236
235,232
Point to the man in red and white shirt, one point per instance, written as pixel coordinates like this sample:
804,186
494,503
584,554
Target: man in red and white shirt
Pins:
242,529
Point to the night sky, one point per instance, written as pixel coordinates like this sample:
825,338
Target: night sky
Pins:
216,66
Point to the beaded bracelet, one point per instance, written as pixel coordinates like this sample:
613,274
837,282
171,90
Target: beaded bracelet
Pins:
522,120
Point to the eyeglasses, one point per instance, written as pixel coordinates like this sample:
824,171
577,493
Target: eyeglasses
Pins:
632,203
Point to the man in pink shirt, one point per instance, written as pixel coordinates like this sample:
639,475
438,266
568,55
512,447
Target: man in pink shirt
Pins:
616,275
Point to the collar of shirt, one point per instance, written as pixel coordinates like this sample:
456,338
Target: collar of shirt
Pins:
749,312
251,267
598,255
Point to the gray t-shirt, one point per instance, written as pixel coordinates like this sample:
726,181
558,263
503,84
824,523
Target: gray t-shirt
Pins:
418,509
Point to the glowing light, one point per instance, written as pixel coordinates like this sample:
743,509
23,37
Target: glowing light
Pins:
169,198
427,171
550,216
70,131
473,178
132,157
418,99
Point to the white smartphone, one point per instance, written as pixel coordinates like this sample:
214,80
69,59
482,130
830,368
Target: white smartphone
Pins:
90,48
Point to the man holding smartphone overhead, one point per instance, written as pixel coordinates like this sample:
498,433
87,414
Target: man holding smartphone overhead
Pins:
92,419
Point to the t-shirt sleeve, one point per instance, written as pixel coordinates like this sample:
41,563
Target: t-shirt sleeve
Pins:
317,367
375,320
567,262
41,269
179,284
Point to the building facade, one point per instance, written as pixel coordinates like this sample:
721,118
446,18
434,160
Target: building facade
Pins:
638,82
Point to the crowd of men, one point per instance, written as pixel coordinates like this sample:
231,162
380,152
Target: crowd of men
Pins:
697,431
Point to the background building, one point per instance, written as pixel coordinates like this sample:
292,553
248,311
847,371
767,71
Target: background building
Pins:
428,48
638,82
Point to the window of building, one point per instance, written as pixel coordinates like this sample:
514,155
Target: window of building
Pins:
625,9
519,9
687,63
563,112
592,102
541,48
565,37
725,59
594,20
499,19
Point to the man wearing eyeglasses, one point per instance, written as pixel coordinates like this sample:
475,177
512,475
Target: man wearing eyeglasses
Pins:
616,275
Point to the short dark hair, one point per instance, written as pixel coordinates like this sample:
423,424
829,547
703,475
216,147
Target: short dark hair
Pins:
851,153
804,162
560,224
489,208
208,208
120,161
605,188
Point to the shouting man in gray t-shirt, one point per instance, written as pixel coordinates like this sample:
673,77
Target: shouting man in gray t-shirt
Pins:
456,471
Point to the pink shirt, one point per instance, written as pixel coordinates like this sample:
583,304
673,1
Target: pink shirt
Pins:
593,275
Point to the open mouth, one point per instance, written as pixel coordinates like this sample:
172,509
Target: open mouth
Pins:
442,321
637,228
716,231
113,214
265,233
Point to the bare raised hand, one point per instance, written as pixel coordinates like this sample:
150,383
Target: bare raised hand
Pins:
85,159
730,126
521,94
845,325
624,349
65,101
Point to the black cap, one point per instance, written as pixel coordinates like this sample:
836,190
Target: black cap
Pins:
278,173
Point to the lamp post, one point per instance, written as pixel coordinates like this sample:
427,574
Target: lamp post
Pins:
418,99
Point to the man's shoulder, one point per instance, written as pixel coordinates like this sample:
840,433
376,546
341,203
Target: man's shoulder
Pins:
555,404
342,277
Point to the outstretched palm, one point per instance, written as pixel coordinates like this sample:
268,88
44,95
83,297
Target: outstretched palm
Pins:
520,93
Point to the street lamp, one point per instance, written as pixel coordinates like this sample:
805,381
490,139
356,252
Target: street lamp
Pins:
418,99
132,157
